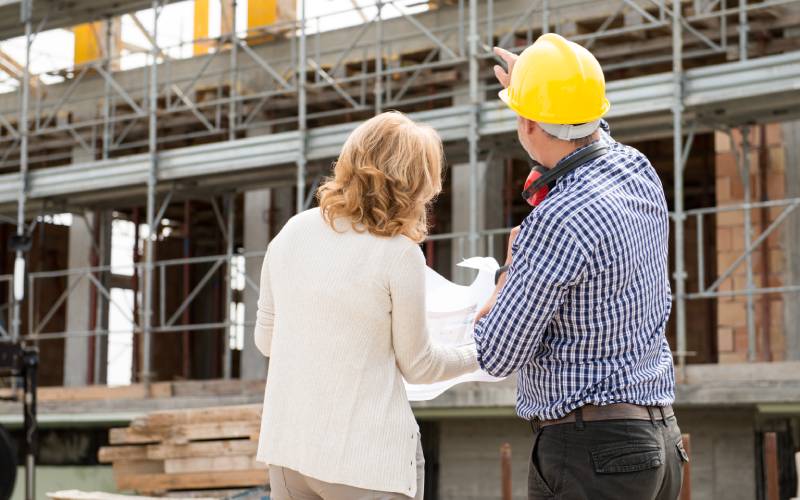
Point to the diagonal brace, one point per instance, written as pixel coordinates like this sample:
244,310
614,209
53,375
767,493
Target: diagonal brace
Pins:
425,31
753,246
325,76
194,292
265,65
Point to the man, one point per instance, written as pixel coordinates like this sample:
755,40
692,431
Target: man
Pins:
582,310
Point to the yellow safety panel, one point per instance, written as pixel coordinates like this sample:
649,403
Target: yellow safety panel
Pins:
87,42
200,27
261,13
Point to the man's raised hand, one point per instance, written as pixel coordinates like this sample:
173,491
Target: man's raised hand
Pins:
503,76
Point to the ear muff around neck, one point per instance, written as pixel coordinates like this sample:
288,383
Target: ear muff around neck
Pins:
541,180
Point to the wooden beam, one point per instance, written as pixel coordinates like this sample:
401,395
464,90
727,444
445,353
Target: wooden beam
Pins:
226,17
771,475
151,483
210,464
200,415
180,434
360,11
230,447
686,486
15,70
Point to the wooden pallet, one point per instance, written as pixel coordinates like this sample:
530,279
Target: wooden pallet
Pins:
198,449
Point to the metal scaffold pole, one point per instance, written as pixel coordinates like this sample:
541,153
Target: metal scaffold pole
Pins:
302,126
474,100
107,89
230,206
233,75
743,28
677,158
147,308
379,58
19,265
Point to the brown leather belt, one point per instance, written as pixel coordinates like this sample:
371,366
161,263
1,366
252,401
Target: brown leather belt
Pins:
616,411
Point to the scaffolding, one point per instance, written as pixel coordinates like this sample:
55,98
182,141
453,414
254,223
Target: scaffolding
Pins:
307,87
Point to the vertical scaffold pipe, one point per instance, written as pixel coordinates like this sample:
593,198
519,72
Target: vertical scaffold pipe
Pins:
379,58
677,145
109,24
230,205
147,307
22,198
233,75
302,126
743,28
475,102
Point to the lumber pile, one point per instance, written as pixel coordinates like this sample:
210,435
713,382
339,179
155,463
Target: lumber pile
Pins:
187,450
99,495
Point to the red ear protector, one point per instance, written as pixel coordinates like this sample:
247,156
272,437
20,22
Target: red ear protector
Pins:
541,180
535,194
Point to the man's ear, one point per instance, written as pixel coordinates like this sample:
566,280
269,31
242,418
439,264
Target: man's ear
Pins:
530,126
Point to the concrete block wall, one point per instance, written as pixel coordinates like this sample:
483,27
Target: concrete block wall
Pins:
767,177
722,452
722,455
469,457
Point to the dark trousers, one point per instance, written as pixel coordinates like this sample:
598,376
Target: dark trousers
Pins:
610,459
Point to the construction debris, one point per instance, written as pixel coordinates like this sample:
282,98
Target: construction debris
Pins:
185,450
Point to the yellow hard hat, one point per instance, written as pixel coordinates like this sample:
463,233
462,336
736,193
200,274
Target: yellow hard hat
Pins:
557,81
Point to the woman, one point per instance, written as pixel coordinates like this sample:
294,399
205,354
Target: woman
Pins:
341,315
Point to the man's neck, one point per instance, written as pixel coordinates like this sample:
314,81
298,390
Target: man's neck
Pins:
561,149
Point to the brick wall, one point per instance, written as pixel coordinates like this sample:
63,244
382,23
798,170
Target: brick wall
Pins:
767,181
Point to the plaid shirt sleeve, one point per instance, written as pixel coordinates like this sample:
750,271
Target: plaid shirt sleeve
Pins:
547,260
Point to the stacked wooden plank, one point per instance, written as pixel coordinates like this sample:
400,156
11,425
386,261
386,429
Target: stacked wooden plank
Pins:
208,448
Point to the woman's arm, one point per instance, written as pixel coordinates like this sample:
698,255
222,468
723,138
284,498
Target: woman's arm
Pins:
420,360
265,317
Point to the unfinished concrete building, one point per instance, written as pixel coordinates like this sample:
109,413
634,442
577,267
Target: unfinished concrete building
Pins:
148,180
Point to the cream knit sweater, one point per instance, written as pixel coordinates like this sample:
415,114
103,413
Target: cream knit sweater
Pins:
341,315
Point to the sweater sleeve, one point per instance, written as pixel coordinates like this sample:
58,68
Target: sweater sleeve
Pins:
265,317
421,361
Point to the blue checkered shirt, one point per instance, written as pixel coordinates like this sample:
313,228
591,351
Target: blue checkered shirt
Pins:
583,312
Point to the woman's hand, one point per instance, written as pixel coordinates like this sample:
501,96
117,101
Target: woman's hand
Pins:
511,238
503,76
483,311
487,308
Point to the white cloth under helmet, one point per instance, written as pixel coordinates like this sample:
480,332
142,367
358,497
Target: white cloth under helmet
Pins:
570,132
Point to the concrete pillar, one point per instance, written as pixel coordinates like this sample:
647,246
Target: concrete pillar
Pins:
265,213
256,238
791,238
490,211
76,348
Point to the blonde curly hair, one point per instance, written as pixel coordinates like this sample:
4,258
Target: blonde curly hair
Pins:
389,170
